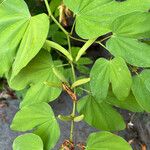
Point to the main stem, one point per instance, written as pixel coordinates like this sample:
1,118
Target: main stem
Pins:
71,63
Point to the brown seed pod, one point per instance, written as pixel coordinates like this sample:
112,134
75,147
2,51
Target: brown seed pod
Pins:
69,91
67,145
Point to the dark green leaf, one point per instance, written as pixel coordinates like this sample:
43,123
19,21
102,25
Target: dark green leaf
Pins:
100,115
141,89
129,103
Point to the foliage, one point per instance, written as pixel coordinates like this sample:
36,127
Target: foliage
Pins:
37,54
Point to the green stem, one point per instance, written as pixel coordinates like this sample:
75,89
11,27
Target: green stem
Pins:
73,27
62,65
105,38
74,104
102,45
72,66
85,90
53,18
69,44
76,39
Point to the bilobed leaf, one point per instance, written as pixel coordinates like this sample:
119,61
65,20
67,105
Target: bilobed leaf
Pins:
106,141
100,115
13,23
126,42
141,90
32,42
27,142
21,39
115,72
36,73
39,117
93,17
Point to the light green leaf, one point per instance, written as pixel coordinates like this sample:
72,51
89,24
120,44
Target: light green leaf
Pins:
13,23
141,90
115,72
27,142
129,103
21,32
39,117
100,115
31,42
36,73
84,61
80,82
41,93
106,141
59,48
126,42
93,17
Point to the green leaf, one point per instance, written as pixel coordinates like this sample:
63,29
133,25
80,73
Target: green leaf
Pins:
38,70
21,33
40,93
138,29
126,42
54,5
100,115
27,142
59,48
83,69
39,117
140,89
60,38
129,103
93,17
80,82
115,72
49,133
31,42
84,61
13,23
36,73
106,141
